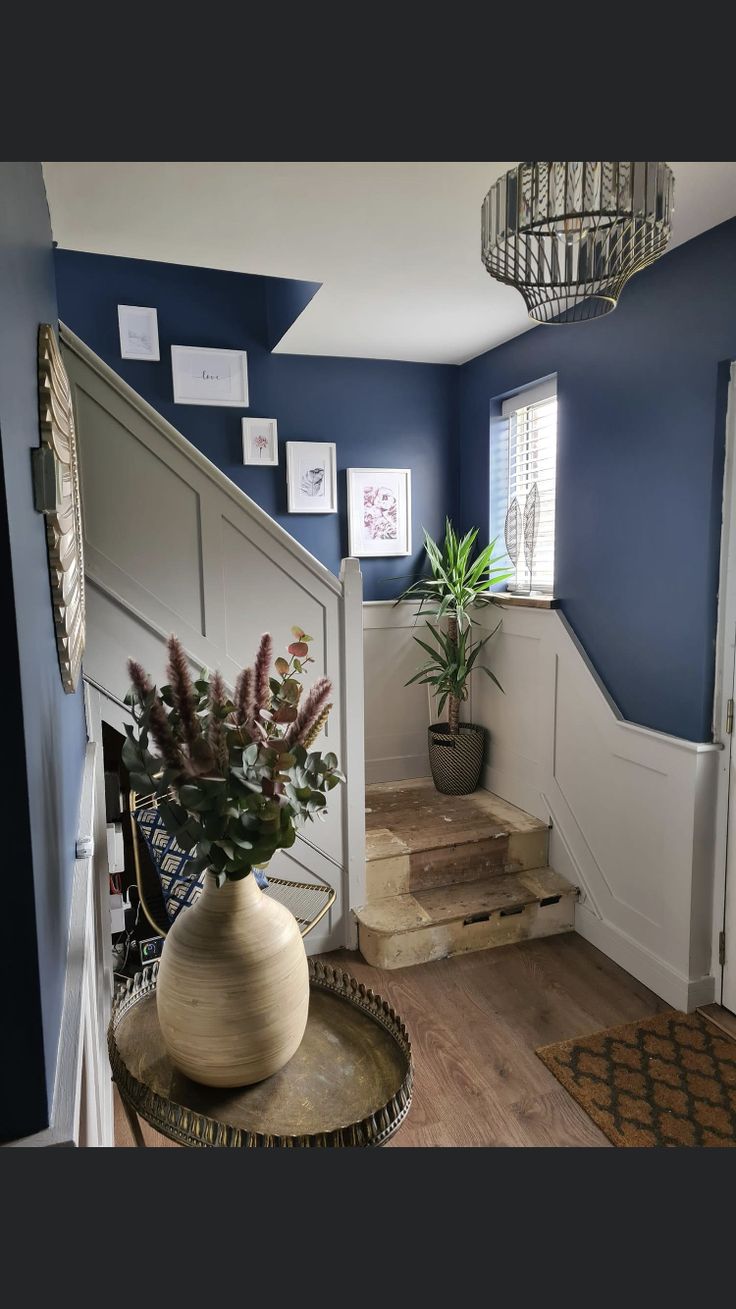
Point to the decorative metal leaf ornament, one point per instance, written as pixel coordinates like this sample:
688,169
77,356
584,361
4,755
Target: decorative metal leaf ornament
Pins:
512,531
531,528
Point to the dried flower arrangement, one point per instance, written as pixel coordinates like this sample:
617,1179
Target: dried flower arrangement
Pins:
234,777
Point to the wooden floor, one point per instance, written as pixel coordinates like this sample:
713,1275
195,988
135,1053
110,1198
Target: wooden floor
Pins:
475,1021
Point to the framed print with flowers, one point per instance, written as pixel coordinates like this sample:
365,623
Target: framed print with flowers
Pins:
260,442
379,511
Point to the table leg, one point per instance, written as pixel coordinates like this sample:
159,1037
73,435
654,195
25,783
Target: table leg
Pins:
133,1122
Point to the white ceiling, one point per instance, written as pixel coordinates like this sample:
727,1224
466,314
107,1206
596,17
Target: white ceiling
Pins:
396,246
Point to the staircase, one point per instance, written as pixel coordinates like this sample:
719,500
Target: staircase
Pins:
173,545
448,874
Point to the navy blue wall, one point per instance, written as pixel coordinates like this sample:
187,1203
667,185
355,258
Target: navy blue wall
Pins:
640,467
379,414
641,431
44,736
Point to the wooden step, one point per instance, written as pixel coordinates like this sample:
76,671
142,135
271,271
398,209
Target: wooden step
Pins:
401,930
417,838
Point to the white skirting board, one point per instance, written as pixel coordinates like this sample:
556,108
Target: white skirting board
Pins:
681,992
631,810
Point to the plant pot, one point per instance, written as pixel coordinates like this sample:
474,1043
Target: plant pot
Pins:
456,760
233,986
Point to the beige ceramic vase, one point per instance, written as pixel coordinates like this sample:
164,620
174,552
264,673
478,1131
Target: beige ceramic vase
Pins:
233,986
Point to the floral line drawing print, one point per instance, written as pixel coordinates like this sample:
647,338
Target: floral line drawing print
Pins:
380,513
313,481
260,442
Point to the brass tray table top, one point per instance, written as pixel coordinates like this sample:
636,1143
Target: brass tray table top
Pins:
349,1083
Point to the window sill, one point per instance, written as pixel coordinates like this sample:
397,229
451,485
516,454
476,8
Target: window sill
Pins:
525,601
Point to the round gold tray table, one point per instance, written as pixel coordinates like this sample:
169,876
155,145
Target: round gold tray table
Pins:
349,1083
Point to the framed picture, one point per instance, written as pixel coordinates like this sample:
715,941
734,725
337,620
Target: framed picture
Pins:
260,442
138,332
209,377
311,477
379,511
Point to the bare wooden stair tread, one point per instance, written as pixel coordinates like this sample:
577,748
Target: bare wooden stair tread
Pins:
401,930
417,838
411,816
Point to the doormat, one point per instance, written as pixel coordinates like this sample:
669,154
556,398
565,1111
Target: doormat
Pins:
667,1080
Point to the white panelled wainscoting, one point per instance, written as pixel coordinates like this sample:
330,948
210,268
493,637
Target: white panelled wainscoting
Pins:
172,545
631,810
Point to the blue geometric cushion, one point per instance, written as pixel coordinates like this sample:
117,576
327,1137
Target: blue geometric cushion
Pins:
180,887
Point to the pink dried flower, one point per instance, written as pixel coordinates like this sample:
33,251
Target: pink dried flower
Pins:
157,718
244,704
262,670
309,711
183,691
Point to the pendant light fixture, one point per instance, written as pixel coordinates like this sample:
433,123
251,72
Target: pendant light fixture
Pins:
568,236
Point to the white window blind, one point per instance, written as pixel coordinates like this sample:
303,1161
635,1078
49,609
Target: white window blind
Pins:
530,421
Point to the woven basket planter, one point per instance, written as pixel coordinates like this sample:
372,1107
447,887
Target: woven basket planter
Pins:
456,760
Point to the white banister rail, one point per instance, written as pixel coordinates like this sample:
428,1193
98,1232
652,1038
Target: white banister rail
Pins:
353,694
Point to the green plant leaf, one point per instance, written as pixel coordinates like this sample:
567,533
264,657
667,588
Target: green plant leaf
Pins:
193,798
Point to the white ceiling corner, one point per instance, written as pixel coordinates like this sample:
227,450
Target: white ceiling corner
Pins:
396,246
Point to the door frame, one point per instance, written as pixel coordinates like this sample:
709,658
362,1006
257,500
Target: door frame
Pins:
725,669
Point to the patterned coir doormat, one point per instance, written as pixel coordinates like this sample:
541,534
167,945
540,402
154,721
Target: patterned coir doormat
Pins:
668,1080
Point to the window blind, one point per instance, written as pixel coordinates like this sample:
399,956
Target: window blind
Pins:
531,421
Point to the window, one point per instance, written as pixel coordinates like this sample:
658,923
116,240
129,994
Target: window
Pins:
525,457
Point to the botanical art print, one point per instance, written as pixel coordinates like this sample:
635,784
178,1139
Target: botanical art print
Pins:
260,442
138,326
379,508
311,477
312,481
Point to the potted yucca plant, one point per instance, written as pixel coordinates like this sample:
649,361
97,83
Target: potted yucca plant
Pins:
459,581
235,776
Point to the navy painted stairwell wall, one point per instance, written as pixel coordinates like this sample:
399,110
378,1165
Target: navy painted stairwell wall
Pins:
378,413
44,731
642,395
641,426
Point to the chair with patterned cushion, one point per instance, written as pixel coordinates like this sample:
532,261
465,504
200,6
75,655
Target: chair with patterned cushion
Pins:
165,885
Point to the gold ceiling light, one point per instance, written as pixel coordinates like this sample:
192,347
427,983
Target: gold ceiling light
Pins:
568,236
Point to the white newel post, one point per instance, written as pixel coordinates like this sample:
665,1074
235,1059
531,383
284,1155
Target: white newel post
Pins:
353,763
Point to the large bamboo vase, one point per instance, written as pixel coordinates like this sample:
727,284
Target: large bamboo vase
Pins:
233,986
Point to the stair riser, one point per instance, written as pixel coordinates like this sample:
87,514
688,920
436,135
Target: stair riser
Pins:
404,949
424,869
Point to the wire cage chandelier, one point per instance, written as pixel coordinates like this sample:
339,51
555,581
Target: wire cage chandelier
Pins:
568,236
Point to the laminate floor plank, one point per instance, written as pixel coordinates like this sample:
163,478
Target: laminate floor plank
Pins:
475,1021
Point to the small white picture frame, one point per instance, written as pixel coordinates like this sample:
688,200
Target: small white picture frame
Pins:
311,477
138,327
202,376
260,442
379,511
